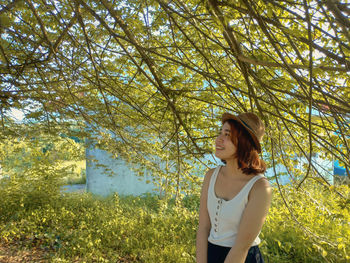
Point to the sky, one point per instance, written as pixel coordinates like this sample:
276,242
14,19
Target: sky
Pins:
16,114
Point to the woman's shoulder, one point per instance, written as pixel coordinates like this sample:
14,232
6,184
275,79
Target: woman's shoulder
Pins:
209,174
262,186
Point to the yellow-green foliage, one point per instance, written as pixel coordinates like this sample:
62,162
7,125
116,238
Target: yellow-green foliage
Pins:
80,227
77,174
147,229
314,226
138,229
43,157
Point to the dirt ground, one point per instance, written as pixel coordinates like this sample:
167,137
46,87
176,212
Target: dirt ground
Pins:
11,254
14,254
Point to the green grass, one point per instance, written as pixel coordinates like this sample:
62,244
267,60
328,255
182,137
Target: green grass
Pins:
85,228
76,174
70,227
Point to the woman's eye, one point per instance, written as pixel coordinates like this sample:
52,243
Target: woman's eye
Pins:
225,134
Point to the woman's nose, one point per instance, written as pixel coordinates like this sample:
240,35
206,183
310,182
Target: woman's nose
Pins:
219,138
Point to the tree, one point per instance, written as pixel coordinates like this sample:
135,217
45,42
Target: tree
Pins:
159,73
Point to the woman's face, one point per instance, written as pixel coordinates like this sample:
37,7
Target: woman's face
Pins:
224,147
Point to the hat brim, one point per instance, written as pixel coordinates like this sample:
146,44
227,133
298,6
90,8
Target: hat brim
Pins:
228,116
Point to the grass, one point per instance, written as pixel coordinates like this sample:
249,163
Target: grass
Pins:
85,228
71,227
77,174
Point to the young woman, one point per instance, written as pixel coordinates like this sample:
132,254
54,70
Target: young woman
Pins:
235,198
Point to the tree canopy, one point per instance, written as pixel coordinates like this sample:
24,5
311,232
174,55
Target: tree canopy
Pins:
158,74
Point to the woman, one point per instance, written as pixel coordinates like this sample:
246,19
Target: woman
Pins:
235,198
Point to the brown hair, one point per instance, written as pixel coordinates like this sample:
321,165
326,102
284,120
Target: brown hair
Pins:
247,152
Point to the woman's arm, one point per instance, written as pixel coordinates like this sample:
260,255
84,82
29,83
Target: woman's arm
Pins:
252,220
204,222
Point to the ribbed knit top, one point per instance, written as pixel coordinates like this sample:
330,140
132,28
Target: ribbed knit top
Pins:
225,215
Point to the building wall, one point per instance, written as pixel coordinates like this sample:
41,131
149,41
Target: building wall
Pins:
118,177
324,168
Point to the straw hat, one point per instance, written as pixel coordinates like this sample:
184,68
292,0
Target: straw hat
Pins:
251,122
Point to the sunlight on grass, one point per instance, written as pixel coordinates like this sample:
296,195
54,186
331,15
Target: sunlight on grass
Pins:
78,172
86,228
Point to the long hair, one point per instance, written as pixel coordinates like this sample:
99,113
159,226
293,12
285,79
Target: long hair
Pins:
247,155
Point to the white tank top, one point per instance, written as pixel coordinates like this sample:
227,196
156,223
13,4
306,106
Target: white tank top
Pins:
226,215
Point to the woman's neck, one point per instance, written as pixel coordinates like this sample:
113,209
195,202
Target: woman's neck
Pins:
232,169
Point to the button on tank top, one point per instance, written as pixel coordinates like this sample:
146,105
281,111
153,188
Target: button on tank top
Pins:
225,215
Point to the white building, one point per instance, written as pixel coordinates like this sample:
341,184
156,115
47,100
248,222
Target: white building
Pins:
106,175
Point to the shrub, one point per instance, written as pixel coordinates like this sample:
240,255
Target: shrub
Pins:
84,228
313,228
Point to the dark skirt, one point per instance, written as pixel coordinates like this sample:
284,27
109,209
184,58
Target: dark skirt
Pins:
217,254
